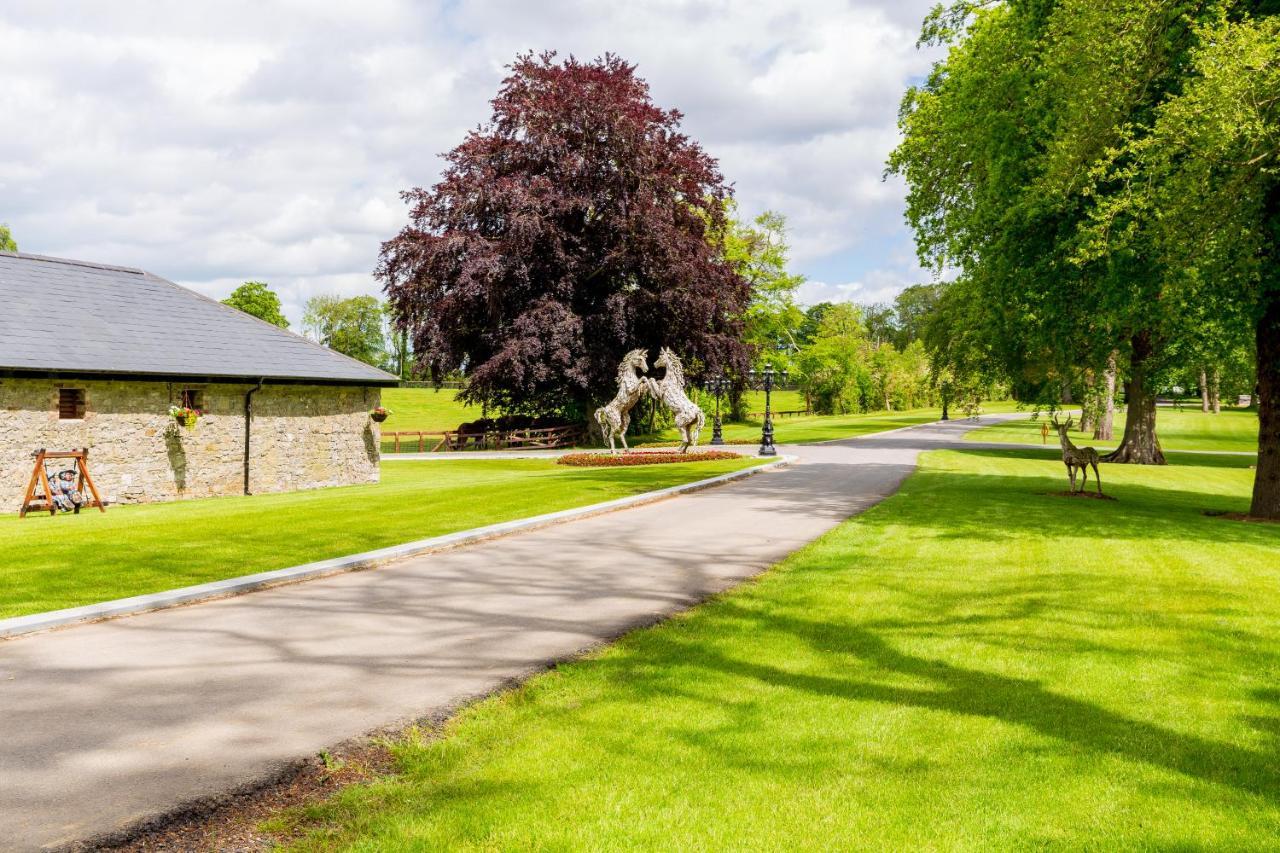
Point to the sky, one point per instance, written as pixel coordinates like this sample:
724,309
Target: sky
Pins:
213,143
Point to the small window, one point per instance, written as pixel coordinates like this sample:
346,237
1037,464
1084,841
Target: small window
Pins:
70,404
193,398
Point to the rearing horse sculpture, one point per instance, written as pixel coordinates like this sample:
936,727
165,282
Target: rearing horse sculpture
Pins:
615,417
670,390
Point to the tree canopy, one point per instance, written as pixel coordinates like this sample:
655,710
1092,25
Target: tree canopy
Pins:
352,326
758,251
7,243
578,223
1102,174
258,299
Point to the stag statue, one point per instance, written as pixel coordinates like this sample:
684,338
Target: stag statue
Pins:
615,417
1077,457
670,390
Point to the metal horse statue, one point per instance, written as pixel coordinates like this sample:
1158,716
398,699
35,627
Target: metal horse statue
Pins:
615,417
670,390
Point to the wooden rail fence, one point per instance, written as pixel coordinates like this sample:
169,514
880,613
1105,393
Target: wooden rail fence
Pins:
418,441
790,413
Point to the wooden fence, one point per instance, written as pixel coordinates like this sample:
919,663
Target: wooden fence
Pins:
790,413
415,441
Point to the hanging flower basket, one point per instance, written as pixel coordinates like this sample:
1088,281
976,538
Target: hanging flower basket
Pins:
379,415
185,416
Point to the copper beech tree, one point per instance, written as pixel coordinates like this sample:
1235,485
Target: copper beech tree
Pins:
577,224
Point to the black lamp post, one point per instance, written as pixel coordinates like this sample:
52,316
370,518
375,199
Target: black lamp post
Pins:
766,378
717,385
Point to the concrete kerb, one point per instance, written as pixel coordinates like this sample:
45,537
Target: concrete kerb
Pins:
20,625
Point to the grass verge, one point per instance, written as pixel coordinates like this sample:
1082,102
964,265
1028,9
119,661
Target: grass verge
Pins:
1231,429
48,563
973,664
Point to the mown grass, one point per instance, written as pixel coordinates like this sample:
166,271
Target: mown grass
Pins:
48,563
1185,429
971,665
426,409
429,410
432,410
810,428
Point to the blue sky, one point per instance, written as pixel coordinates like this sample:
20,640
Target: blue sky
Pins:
214,143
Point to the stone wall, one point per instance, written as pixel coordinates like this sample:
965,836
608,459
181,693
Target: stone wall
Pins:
302,437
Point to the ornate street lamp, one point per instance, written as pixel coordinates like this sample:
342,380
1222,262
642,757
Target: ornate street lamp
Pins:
766,378
717,385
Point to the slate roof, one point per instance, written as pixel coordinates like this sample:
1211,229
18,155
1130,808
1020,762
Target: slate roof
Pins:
74,317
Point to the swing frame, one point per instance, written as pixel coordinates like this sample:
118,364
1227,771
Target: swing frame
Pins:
40,477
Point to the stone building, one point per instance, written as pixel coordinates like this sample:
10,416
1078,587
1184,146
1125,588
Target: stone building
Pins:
94,355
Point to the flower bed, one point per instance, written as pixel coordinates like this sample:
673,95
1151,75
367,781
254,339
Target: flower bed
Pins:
649,457
734,441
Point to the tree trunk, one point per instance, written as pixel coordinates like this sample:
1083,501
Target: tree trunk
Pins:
1066,393
1266,484
1089,411
1106,419
1204,392
1140,446
1214,385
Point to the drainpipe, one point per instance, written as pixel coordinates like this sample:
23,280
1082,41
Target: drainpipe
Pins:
248,419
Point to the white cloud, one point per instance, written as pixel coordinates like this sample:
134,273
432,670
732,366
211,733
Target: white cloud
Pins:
213,143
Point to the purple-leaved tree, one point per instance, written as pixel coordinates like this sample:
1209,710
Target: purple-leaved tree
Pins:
572,227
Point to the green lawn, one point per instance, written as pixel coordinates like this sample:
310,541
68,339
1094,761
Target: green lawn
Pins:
971,665
425,409
434,411
1232,429
781,401
811,428
48,563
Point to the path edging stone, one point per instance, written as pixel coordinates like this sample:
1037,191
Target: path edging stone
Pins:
17,626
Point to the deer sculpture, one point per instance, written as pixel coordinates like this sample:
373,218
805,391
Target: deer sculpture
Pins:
615,416
1077,457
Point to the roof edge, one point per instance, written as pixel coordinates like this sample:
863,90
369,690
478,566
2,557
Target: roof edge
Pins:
197,378
49,259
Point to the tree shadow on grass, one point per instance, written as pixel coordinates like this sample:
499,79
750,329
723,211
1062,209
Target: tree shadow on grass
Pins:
992,507
973,692
1176,458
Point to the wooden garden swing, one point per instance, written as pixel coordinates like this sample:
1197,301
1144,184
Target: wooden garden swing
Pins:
40,477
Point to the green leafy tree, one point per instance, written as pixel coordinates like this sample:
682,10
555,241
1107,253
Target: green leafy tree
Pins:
912,310
807,332
256,298
833,371
6,239
400,353
758,251
881,324
352,326
963,355
1202,193
1001,149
